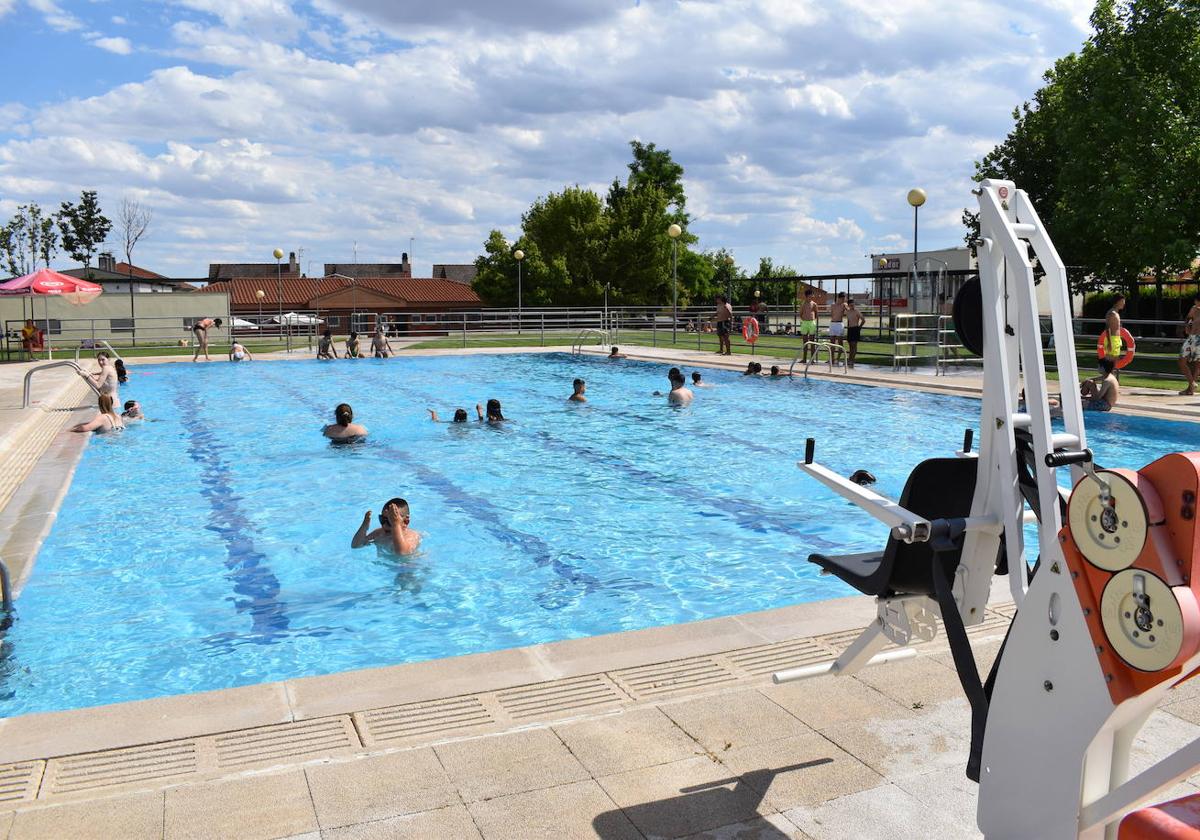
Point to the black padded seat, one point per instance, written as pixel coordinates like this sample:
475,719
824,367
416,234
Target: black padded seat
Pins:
939,488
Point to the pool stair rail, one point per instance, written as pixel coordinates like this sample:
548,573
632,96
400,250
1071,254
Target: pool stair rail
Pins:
577,345
29,377
96,342
831,350
6,599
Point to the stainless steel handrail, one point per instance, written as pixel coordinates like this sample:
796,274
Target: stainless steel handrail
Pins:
577,345
6,601
829,347
29,375
96,341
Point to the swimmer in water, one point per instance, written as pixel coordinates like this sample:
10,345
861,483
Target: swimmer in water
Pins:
460,416
615,354
133,411
344,428
697,381
679,394
494,414
580,386
393,536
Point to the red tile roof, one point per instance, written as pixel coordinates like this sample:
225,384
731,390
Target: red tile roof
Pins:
299,293
143,273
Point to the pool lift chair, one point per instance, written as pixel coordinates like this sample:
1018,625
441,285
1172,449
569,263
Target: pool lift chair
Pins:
1108,618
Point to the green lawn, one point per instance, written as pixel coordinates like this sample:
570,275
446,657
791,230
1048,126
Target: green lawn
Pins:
168,350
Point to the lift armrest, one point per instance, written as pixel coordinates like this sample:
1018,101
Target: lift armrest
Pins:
905,524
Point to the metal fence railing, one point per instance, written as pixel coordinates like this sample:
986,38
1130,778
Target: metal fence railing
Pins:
898,340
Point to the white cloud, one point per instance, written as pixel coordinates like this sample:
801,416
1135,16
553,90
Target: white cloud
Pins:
118,20
120,46
800,124
7,6
55,16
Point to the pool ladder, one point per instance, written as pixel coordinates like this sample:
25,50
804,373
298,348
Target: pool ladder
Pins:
95,342
817,346
577,345
29,376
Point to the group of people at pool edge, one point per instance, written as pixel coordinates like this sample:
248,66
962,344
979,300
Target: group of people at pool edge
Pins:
846,322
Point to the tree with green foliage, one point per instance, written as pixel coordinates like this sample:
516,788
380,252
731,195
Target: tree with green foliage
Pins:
27,239
1110,149
83,227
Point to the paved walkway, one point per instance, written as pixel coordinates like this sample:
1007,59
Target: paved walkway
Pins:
880,755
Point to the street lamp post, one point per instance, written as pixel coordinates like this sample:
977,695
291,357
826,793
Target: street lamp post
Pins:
279,292
673,231
916,197
260,294
519,255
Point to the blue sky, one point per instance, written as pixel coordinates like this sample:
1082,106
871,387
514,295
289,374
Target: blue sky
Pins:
247,125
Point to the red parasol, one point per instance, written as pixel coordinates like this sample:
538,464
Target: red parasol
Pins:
47,282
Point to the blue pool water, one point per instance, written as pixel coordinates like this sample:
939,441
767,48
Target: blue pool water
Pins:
210,548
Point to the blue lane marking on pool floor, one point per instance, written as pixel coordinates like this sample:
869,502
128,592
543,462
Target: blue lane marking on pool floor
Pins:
746,514
253,580
574,582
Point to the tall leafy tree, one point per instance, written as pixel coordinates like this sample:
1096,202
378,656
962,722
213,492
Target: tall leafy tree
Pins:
28,239
83,227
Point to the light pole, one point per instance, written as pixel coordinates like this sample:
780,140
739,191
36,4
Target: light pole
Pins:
518,255
916,197
260,294
353,302
673,231
278,254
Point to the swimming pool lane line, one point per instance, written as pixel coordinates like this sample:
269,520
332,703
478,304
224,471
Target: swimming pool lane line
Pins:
493,520
745,514
249,568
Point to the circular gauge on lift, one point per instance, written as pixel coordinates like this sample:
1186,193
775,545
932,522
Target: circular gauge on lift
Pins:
1110,535
1142,619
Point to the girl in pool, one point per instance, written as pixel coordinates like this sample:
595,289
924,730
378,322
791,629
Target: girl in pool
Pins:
106,421
344,429
494,415
122,374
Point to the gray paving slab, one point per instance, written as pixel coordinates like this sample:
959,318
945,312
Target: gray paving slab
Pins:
881,813
627,741
577,810
770,827
374,788
822,702
517,762
733,719
453,822
131,817
684,797
235,808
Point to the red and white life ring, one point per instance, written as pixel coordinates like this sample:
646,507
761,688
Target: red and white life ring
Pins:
750,330
1127,343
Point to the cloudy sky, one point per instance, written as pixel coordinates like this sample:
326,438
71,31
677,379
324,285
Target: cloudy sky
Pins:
314,124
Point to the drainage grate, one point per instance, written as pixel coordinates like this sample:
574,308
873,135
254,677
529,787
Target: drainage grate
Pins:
19,782
423,719
781,655
838,641
121,767
559,697
285,741
666,677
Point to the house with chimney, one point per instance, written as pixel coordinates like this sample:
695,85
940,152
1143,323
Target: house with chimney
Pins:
116,277
230,271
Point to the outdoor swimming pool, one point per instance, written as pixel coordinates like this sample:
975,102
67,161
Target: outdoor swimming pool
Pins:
210,548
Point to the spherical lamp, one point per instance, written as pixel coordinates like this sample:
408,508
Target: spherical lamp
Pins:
277,254
916,197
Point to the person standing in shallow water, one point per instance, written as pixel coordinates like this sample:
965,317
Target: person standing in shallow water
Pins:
344,428
580,387
393,536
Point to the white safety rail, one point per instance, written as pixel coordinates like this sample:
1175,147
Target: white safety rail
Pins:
951,351
812,353
600,336
914,337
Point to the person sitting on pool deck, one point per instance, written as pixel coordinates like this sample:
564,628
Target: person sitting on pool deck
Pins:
325,348
494,415
393,536
239,353
460,416
345,429
1100,393
352,347
580,386
616,354
380,345
696,381
200,331
106,421
133,411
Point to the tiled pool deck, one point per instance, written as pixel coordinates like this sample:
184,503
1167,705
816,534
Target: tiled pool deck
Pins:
667,732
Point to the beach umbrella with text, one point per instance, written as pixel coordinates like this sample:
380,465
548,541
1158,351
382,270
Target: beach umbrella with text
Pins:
45,282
